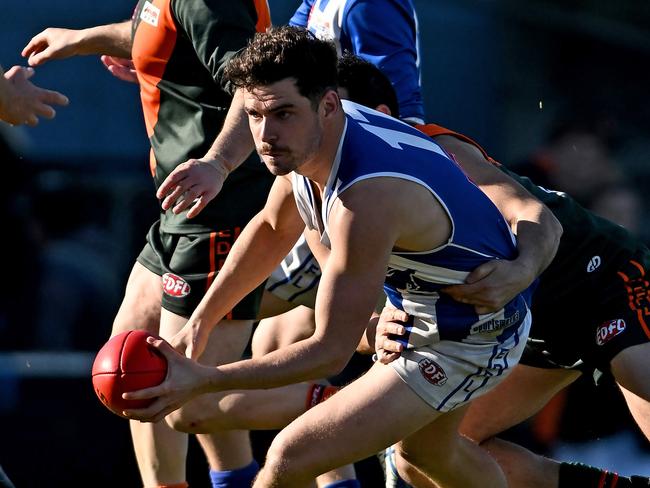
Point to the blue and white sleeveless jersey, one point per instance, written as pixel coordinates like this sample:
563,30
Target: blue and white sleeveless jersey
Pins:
375,145
383,32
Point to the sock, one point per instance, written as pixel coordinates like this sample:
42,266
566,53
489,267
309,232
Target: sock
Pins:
344,484
318,394
236,478
578,474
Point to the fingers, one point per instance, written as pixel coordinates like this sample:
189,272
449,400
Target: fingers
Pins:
38,57
389,314
170,199
53,97
386,357
153,413
481,272
199,204
32,46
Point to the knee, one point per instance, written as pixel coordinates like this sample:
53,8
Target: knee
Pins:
288,463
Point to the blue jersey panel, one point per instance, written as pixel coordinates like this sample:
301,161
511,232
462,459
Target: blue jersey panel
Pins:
383,32
375,145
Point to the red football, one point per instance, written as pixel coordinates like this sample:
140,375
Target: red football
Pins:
127,363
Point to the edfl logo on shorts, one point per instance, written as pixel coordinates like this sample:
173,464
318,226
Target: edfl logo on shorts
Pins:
609,330
175,286
432,372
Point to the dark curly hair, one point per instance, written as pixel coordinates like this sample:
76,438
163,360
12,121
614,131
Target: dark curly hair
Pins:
286,52
366,84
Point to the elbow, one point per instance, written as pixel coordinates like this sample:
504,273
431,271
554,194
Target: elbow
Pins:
334,361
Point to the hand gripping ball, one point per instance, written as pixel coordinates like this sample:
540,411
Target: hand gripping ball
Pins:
127,363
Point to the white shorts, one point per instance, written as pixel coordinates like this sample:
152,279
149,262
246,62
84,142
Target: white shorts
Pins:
296,279
448,374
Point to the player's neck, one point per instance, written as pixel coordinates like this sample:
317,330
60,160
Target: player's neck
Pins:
318,169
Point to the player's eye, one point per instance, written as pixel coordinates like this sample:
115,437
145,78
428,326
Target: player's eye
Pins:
283,114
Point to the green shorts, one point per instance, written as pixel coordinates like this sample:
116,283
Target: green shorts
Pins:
585,327
188,263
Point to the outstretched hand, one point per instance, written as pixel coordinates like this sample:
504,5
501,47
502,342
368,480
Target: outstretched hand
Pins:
52,43
185,380
192,184
491,285
24,102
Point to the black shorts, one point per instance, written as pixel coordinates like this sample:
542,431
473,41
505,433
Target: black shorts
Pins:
584,328
188,263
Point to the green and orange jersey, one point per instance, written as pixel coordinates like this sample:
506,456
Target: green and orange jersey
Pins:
180,48
585,235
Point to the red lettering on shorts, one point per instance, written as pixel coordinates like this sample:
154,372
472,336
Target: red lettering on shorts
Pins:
432,372
609,330
174,285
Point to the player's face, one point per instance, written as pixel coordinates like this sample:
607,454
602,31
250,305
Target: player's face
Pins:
286,128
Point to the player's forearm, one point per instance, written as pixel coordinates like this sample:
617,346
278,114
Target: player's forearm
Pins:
234,142
305,360
110,39
257,252
538,238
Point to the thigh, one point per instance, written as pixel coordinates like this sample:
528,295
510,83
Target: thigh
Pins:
630,369
370,414
519,396
140,308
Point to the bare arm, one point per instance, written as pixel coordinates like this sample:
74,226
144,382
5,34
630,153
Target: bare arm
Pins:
197,181
21,102
538,232
347,294
56,43
261,246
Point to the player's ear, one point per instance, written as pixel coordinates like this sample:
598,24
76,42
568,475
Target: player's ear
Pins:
385,109
330,103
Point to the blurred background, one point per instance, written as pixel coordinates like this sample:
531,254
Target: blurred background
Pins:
556,89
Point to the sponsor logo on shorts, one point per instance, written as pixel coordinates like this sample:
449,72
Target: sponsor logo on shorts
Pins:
594,264
150,14
175,286
432,372
495,324
609,330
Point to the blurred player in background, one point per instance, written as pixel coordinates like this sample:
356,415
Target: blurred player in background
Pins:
22,102
179,48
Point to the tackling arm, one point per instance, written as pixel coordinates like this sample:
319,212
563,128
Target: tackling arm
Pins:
493,284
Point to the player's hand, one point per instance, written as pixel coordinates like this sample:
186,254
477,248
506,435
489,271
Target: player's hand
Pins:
120,68
491,285
52,43
25,103
192,184
191,340
391,324
185,380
